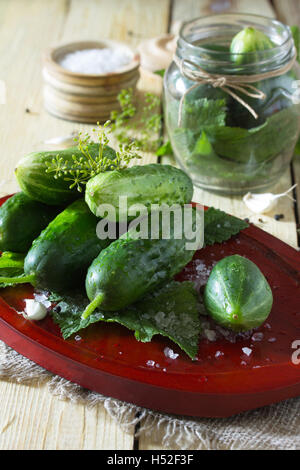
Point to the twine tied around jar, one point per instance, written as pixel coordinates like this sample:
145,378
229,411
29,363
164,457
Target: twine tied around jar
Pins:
228,83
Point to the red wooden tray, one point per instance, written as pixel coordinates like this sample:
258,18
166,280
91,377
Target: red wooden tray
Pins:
223,380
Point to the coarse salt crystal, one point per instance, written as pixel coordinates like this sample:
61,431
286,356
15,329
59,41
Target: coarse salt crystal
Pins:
219,354
247,351
210,335
257,336
43,299
96,61
150,363
168,352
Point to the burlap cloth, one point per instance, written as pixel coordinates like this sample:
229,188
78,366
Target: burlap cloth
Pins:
274,427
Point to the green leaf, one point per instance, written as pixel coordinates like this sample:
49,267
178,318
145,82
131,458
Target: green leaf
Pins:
203,145
165,149
11,265
260,143
160,72
139,124
172,311
203,114
296,36
297,148
219,226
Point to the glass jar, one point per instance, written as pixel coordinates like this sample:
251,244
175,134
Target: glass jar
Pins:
215,138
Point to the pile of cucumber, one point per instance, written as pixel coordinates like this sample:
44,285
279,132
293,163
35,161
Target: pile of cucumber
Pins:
54,227
62,244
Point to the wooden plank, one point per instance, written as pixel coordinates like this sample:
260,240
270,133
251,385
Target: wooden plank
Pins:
286,229
32,417
35,419
287,11
184,10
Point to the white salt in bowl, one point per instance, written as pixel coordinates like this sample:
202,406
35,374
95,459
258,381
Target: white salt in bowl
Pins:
87,97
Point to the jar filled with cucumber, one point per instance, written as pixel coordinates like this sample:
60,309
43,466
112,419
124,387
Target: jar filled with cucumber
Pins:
231,104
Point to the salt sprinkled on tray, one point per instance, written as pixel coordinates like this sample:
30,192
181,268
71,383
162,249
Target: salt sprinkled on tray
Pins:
210,335
150,363
168,352
95,61
219,354
257,336
247,351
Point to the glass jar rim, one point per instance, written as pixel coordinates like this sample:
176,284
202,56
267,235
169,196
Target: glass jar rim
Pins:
282,50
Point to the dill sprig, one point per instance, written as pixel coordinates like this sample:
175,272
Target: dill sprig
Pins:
86,166
145,131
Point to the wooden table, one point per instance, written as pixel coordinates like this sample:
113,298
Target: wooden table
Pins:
32,418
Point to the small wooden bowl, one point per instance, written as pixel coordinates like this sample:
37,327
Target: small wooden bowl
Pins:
85,97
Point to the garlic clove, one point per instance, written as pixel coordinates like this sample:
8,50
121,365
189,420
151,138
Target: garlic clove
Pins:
35,310
261,203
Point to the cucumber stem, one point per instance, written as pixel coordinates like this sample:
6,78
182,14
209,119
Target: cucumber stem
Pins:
93,305
18,279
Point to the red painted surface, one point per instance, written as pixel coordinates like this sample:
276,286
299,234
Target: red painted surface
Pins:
221,382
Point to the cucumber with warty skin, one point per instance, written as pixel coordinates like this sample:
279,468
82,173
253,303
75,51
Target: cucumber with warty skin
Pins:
131,266
142,184
237,295
41,186
21,220
60,256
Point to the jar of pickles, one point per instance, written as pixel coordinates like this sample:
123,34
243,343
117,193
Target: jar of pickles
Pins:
231,98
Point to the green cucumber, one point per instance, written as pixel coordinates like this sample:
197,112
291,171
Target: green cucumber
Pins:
41,186
131,266
142,184
237,295
21,220
59,258
249,40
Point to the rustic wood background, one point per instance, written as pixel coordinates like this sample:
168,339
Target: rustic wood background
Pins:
31,418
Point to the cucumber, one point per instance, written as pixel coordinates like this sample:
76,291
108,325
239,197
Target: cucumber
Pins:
142,184
250,40
131,266
60,256
237,295
41,186
21,220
